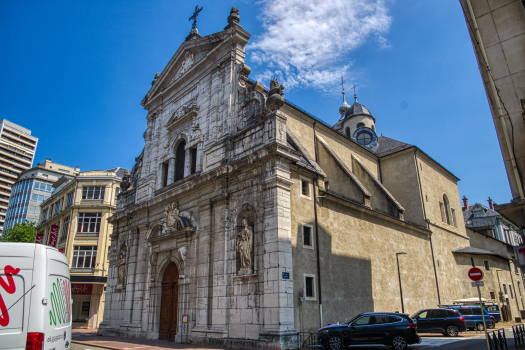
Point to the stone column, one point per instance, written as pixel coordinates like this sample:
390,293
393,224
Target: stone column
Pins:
277,302
200,157
202,262
171,170
219,268
140,275
187,161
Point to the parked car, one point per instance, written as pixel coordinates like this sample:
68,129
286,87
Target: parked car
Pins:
473,317
446,321
494,311
387,328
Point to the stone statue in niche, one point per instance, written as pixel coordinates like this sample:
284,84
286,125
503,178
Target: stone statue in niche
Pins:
122,265
244,246
171,219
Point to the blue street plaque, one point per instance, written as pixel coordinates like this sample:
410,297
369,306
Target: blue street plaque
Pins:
286,275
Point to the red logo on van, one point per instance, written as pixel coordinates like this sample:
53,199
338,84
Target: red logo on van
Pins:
10,288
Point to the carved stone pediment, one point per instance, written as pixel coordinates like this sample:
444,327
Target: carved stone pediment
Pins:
174,225
189,111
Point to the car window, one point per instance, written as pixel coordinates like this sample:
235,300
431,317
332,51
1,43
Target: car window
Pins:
394,319
452,313
424,314
465,311
439,314
362,321
378,319
477,312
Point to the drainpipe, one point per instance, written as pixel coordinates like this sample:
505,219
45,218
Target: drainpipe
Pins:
498,105
317,234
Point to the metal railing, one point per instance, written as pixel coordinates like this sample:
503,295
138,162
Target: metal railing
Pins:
519,335
306,340
497,340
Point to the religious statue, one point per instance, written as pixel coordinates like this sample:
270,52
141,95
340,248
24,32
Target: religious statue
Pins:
122,265
244,246
171,218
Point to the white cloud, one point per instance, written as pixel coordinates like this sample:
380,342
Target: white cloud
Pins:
305,42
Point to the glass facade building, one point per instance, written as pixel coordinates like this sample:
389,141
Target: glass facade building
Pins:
31,189
26,197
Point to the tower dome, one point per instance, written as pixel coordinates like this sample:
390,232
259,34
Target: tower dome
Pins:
344,107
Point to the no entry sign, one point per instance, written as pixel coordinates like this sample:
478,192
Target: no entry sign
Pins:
475,274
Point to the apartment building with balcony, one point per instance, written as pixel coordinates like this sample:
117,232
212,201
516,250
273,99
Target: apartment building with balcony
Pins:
17,151
32,188
74,220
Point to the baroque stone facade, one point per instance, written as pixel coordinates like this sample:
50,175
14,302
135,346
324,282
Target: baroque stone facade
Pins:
246,220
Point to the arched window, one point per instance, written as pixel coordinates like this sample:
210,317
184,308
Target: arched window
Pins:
447,208
347,131
180,160
360,125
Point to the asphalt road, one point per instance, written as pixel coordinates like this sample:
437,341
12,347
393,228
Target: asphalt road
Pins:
476,342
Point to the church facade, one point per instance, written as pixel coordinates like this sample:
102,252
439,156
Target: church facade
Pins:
247,220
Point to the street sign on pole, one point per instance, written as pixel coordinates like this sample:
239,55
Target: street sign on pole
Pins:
475,274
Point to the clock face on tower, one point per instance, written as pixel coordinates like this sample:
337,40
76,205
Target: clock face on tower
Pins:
366,137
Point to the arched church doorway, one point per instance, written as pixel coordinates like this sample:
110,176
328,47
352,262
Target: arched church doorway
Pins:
169,302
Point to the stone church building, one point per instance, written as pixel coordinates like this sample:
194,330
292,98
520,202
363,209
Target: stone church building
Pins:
247,219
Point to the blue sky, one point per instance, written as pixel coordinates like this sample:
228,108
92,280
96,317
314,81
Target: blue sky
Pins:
75,72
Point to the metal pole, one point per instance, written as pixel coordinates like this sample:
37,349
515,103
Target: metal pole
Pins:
483,316
400,288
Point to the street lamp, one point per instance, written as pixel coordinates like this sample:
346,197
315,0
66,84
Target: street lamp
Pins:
399,275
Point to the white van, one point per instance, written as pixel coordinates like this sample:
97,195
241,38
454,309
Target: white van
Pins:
35,298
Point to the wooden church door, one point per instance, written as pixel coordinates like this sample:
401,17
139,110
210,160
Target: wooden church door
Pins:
169,302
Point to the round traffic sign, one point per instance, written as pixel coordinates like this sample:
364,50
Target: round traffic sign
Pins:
475,274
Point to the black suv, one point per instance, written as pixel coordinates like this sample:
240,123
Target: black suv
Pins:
391,329
446,321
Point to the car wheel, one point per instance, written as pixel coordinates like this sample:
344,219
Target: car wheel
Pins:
452,331
492,324
335,343
399,342
479,327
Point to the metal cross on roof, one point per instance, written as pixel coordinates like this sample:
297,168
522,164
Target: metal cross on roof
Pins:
355,95
194,17
342,83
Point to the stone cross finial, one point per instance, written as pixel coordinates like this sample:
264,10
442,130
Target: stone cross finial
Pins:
194,17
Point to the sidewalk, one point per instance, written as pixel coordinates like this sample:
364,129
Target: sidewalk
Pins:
121,343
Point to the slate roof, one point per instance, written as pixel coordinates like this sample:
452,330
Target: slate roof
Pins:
118,170
468,213
478,251
386,146
356,109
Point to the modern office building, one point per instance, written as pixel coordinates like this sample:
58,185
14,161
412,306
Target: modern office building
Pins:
32,188
75,220
17,151
497,31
